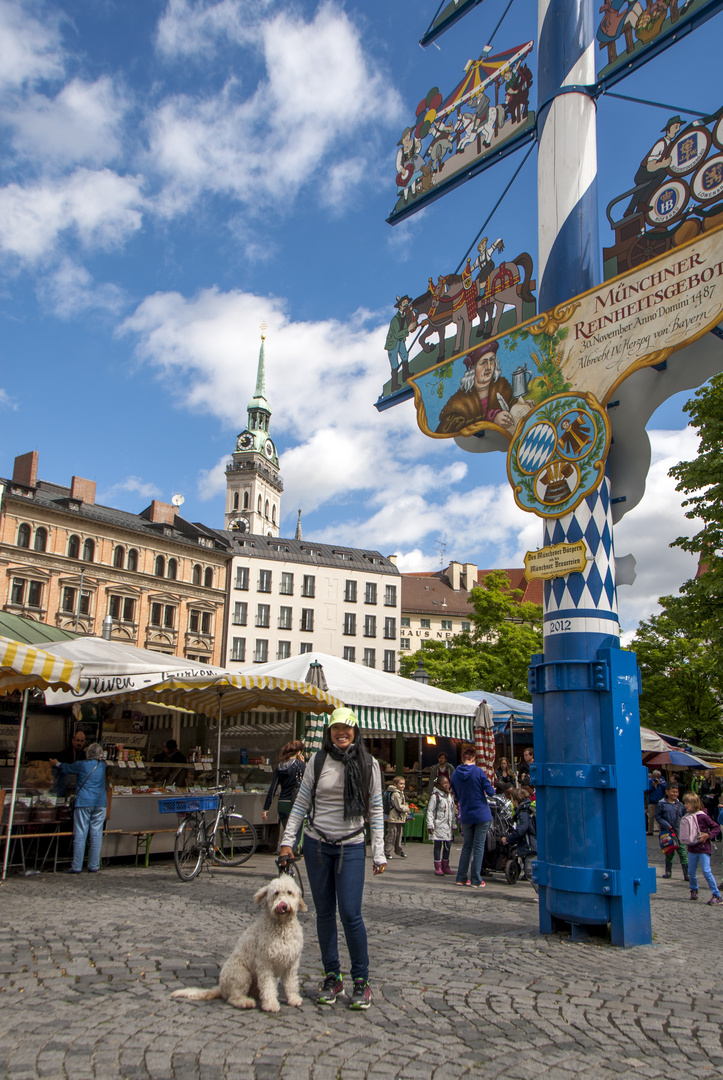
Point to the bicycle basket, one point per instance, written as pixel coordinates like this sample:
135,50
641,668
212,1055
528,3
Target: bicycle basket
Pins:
188,804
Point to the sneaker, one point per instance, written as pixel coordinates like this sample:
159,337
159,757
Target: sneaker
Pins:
463,882
402,855
715,900
361,998
694,894
330,990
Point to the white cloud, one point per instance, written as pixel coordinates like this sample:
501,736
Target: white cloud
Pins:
321,99
212,482
6,402
192,29
29,49
649,529
70,290
100,208
82,124
133,485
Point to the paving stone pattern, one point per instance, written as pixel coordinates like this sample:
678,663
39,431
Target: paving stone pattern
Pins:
463,984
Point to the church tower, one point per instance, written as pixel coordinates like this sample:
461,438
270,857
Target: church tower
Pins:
253,482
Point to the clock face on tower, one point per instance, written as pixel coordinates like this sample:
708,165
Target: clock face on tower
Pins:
245,441
240,524
269,448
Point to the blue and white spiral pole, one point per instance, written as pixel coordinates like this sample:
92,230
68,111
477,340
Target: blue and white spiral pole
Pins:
592,859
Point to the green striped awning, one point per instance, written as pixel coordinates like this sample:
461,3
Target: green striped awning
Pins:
397,721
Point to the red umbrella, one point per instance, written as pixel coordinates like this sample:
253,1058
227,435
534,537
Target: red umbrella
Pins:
484,739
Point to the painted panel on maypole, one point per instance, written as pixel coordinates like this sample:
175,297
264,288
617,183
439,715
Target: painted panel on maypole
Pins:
456,136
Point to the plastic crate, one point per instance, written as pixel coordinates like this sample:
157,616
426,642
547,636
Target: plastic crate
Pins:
188,804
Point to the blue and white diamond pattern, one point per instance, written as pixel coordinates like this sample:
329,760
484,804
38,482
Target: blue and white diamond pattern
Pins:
594,588
537,447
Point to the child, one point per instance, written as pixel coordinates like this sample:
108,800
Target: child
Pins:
668,813
524,833
699,852
398,810
441,824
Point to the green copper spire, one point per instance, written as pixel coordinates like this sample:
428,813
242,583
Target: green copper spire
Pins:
258,408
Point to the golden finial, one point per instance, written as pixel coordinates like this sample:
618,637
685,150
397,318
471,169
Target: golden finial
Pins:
264,328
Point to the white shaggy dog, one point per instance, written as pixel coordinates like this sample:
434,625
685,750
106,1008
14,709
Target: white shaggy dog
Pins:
269,950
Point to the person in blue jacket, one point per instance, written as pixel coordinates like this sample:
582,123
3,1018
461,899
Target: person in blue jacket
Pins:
471,789
90,805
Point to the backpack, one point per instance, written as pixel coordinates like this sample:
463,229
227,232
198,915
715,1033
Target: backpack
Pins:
689,829
387,802
319,761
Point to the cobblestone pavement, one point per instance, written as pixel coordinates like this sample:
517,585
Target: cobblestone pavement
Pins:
463,984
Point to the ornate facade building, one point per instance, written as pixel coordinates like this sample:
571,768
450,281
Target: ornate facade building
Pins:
69,562
293,596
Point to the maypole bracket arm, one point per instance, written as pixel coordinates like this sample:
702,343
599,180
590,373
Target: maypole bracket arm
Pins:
564,675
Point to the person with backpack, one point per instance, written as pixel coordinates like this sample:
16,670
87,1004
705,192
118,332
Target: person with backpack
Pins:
441,824
397,810
524,833
668,814
340,791
472,789
696,830
288,775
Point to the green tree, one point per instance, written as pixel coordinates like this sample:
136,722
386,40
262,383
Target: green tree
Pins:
701,480
495,654
678,675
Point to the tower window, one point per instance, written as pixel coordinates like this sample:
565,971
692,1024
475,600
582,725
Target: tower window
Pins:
259,504
235,500
246,500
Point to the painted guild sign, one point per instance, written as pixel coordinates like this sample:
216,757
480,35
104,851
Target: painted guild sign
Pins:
450,136
556,561
583,349
629,28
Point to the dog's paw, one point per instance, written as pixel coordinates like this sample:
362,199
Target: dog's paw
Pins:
295,1001
271,1006
242,1002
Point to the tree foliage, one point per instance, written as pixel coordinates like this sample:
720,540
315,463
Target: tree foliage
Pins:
678,675
495,654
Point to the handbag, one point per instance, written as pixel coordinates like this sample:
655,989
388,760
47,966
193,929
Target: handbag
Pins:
669,842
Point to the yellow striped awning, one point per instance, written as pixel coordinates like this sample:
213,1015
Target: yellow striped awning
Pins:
231,694
23,667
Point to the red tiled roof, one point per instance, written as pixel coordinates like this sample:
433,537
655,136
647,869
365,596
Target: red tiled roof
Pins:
431,592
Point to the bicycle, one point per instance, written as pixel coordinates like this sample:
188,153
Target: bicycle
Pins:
288,867
227,839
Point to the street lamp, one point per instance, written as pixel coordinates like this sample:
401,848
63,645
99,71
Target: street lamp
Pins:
420,676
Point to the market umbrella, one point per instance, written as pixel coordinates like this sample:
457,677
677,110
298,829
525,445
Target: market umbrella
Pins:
24,667
226,695
315,677
677,757
484,738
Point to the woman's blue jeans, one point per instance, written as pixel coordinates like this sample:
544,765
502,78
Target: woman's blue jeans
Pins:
87,820
695,857
472,853
338,881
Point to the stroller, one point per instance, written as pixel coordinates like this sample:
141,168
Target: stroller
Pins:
501,858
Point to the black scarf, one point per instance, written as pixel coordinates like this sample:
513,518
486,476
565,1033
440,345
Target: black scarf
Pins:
354,796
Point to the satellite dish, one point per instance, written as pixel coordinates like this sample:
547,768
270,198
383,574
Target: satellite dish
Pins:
178,500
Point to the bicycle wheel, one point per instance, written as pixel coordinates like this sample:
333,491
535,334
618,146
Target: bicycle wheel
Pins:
234,841
188,848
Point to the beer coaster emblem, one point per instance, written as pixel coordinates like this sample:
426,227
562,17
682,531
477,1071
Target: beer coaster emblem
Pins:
558,457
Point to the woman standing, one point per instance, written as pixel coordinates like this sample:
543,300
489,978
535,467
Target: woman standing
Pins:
471,788
90,805
342,787
288,775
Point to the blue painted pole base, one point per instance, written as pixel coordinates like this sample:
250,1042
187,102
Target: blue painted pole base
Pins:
592,854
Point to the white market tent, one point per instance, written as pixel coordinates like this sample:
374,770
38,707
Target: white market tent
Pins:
110,668
382,701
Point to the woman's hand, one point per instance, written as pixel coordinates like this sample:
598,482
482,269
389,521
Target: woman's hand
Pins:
379,868
53,761
286,853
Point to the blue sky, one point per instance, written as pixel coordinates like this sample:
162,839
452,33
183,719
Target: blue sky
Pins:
175,172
